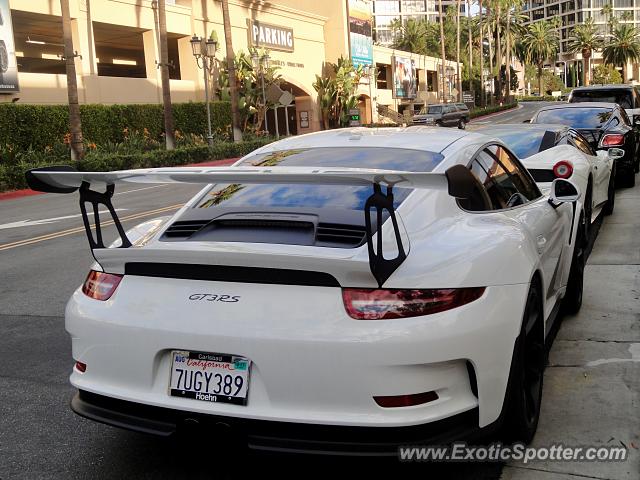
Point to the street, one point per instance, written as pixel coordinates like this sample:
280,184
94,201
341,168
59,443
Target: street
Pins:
591,393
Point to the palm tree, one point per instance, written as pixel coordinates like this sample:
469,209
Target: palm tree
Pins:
622,47
498,11
470,39
483,99
585,39
231,67
607,11
169,130
75,124
540,43
410,36
459,78
442,52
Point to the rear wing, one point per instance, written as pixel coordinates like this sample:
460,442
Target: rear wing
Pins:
65,179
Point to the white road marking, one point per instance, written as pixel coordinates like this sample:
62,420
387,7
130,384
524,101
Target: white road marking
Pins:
45,221
634,350
138,190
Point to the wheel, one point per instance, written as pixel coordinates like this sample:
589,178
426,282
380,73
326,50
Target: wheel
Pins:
572,300
462,124
626,178
611,194
438,123
524,391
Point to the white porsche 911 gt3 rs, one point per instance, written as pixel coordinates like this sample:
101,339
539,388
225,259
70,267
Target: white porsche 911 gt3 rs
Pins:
339,292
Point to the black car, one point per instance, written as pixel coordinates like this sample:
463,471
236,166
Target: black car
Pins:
604,125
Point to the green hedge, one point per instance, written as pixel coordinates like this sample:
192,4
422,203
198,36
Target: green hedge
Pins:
478,112
41,126
534,98
12,175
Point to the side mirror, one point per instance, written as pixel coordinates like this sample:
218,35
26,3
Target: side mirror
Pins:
563,191
636,120
615,153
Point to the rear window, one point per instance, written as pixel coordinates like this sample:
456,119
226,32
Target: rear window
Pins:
320,196
433,110
522,144
619,96
587,117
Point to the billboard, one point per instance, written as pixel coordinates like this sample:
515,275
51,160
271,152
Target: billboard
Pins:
8,65
404,77
360,32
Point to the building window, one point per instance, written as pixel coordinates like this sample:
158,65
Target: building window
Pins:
386,6
119,51
623,3
383,21
39,43
381,80
174,56
383,37
410,6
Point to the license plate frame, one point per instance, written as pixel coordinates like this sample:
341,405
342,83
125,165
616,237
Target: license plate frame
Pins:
212,372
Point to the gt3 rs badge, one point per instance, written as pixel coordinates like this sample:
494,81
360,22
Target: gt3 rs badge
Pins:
211,297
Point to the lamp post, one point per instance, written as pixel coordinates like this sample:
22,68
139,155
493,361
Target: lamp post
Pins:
261,66
204,52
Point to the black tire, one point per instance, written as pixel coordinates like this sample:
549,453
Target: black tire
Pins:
572,300
611,194
438,123
462,124
625,178
524,391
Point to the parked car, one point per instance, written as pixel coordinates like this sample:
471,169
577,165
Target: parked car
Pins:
604,126
276,305
626,96
444,115
558,151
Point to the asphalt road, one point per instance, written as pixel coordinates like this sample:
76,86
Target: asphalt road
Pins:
43,257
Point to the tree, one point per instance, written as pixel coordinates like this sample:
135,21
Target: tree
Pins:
622,47
606,74
470,37
540,43
337,92
607,11
169,130
483,98
459,78
233,81
585,40
75,123
442,51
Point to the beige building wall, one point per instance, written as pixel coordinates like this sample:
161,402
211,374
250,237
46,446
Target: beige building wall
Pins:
320,31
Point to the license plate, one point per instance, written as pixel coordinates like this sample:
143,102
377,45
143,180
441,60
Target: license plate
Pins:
210,377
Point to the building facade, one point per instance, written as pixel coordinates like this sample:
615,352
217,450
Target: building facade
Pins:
574,12
118,50
386,11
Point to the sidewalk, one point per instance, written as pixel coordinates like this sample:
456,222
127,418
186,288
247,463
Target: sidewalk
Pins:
592,384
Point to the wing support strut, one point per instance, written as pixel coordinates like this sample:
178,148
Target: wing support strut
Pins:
96,199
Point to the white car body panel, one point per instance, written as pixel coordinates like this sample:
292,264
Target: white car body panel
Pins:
311,362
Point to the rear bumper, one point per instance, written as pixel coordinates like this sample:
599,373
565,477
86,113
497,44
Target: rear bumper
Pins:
280,436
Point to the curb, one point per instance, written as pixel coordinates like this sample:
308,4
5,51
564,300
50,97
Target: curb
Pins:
27,192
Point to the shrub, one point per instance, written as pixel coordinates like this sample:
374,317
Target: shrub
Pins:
42,126
12,173
478,112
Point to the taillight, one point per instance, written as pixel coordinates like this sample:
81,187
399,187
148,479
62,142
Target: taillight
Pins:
81,367
612,140
563,169
367,304
100,285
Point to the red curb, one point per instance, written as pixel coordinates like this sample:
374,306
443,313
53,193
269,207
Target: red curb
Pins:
27,192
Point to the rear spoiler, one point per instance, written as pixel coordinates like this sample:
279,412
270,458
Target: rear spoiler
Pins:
65,179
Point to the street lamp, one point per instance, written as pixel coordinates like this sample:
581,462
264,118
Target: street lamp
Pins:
204,52
261,66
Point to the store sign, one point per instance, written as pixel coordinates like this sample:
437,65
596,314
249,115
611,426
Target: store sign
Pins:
274,37
360,36
8,64
404,77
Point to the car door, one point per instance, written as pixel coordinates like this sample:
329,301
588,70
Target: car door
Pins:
601,168
449,116
513,191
